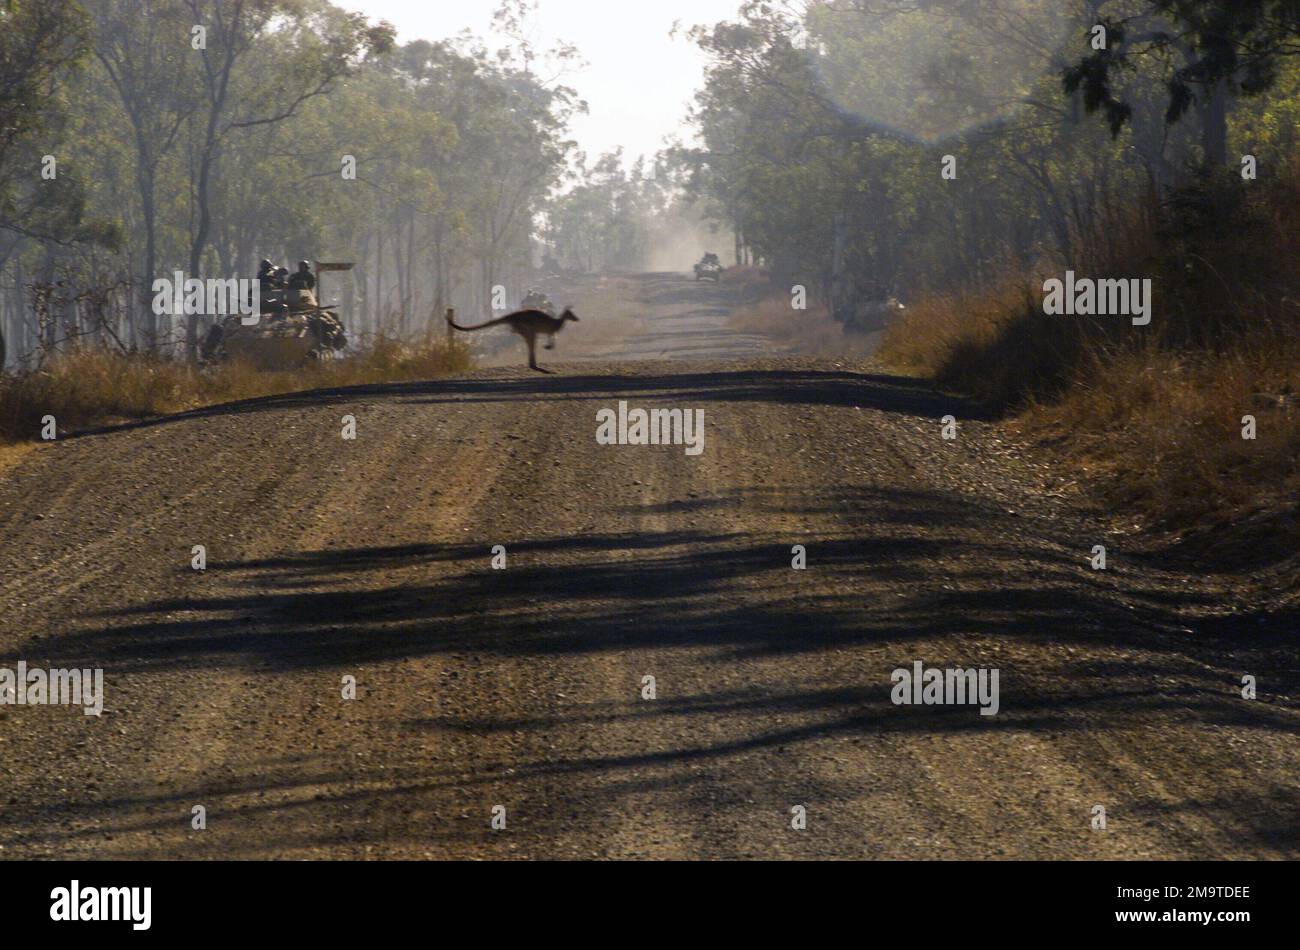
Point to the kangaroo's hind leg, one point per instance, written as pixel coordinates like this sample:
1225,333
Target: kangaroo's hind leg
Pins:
532,354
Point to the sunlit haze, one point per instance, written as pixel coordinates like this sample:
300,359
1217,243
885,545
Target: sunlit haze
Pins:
638,80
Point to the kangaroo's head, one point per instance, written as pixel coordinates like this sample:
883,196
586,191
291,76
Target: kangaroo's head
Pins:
569,315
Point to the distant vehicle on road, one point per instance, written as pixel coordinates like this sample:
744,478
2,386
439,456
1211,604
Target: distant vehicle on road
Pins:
709,268
536,300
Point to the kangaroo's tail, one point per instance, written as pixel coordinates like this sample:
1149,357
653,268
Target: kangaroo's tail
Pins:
451,318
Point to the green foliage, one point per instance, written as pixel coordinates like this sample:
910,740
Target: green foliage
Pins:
206,160
40,44
1204,51
824,136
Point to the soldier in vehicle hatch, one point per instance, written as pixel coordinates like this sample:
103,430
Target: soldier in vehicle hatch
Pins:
265,274
271,281
302,286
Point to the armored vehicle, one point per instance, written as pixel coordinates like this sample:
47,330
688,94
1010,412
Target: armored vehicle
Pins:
709,268
292,329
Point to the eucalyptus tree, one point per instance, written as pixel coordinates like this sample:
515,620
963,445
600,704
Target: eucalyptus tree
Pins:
144,47
41,44
259,62
1207,51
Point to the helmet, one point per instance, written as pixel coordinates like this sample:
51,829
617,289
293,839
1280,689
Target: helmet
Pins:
304,265
266,265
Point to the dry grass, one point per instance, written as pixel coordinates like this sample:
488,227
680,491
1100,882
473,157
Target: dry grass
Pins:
11,455
810,331
745,275
91,386
1163,431
987,341
1151,416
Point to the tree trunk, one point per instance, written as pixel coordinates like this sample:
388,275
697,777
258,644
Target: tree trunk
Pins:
838,284
379,278
1214,126
200,236
149,322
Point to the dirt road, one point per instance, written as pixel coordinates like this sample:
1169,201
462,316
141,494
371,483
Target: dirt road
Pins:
523,687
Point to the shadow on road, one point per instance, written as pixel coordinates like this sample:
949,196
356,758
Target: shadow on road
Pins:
785,387
889,580
897,596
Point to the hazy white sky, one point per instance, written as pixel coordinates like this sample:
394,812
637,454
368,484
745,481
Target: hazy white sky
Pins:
638,80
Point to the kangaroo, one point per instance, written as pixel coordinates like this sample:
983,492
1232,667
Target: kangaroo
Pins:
528,324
